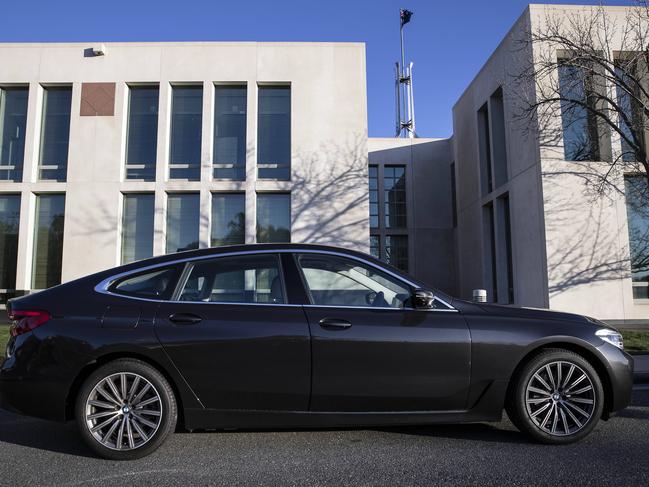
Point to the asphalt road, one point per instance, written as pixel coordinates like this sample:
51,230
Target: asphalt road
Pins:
34,452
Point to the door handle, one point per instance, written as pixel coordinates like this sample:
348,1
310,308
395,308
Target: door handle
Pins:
185,319
334,324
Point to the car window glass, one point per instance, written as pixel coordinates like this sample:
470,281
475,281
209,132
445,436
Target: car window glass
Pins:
156,284
240,279
338,281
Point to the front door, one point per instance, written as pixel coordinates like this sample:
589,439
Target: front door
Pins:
234,337
371,352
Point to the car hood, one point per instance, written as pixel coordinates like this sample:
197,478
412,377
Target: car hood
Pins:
531,313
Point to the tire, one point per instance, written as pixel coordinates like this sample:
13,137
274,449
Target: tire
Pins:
557,398
129,419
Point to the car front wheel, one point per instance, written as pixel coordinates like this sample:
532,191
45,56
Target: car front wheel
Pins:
125,410
557,397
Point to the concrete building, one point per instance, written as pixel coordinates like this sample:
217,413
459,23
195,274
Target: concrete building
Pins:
116,152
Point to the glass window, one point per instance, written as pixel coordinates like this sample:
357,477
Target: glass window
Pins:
142,133
186,132
55,133
374,196
183,213
240,279
228,219
338,281
137,227
230,132
637,196
396,251
13,118
580,141
629,108
394,181
274,132
156,284
273,218
375,246
9,223
48,240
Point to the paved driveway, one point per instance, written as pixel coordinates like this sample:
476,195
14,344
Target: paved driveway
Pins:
34,452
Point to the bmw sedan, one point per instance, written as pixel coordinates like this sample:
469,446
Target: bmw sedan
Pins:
296,336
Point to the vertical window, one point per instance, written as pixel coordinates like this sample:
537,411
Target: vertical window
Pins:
396,251
630,111
374,196
273,218
137,227
498,137
228,219
580,138
453,195
13,118
394,184
186,132
484,147
375,246
274,132
55,133
183,214
230,132
637,210
9,222
48,240
505,271
489,239
142,133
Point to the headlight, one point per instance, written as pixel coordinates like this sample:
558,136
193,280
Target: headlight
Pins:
611,336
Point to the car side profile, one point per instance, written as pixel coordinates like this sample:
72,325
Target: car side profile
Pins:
292,336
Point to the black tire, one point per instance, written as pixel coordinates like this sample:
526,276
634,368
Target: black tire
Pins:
166,419
520,412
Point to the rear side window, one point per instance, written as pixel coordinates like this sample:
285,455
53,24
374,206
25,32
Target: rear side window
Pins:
241,279
155,284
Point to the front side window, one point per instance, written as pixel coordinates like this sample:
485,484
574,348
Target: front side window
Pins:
230,132
48,240
186,132
13,118
240,279
339,281
142,133
638,221
55,133
183,216
273,218
274,132
155,284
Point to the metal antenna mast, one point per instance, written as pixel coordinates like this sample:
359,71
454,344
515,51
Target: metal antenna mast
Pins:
405,101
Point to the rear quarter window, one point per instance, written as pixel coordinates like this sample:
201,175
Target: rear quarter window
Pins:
153,284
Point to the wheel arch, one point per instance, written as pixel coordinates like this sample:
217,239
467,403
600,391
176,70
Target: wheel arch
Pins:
89,368
590,356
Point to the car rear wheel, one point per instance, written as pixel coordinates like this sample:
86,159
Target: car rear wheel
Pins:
125,410
557,397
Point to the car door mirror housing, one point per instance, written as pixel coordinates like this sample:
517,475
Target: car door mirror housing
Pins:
423,299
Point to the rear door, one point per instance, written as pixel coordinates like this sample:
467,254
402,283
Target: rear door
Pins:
371,352
235,338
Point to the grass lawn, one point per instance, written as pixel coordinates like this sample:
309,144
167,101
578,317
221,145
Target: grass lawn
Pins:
635,341
4,337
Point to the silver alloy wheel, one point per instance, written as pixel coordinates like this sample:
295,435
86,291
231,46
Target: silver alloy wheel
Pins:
123,411
560,398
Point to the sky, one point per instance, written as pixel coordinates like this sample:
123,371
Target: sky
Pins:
448,41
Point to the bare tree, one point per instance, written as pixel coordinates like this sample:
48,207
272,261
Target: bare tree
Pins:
586,85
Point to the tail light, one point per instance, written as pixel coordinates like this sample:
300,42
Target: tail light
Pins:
26,321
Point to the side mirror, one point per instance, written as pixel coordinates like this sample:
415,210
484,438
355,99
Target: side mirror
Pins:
422,299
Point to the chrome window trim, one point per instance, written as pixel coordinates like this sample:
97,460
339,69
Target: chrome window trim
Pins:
102,286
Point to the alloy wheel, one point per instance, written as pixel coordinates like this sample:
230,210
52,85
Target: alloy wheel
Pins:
560,398
123,411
